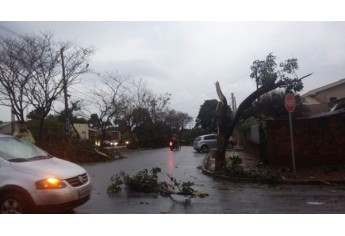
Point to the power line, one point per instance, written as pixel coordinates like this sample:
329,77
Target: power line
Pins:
11,31
87,95
194,100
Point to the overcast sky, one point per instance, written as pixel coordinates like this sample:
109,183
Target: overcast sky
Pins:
186,58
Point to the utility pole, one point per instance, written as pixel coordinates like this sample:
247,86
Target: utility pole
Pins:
67,122
12,120
154,110
261,131
233,102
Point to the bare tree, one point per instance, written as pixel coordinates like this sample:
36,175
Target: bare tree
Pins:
137,99
31,72
49,79
143,97
109,99
158,105
17,62
140,98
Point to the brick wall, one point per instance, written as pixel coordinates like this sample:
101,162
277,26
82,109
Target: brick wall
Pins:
317,141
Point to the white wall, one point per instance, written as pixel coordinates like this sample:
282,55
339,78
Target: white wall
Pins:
83,130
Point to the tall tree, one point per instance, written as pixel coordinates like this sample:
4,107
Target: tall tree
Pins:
110,99
176,121
94,121
183,119
207,116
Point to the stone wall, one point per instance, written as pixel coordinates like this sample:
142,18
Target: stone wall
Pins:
318,141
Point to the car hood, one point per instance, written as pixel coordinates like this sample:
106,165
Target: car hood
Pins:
52,167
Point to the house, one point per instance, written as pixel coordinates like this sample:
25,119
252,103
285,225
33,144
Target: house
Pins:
83,130
7,127
94,133
323,99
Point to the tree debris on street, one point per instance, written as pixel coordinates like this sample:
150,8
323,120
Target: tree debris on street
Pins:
148,182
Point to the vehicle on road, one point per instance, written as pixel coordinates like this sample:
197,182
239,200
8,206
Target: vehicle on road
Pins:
31,180
110,143
206,142
174,145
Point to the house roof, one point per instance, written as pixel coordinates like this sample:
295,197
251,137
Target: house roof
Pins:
323,88
94,130
329,113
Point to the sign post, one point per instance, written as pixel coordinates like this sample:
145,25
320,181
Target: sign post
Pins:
290,105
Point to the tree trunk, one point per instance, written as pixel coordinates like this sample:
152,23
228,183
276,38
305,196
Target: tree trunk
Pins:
40,129
222,139
75,130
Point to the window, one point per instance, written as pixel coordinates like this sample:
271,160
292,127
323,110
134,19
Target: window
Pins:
333,99
210,137
12,148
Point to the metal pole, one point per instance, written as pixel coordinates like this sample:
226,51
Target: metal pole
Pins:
65,93
13,125
260,124
292,146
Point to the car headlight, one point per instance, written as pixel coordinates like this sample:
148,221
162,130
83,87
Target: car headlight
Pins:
50,183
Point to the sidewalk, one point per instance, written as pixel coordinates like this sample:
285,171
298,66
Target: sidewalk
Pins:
315,175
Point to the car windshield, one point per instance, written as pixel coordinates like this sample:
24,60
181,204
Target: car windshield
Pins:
17,150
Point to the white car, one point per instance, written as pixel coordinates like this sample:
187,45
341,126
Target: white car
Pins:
206,142
31,180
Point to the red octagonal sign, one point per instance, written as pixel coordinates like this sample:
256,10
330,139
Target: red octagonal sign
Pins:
290,102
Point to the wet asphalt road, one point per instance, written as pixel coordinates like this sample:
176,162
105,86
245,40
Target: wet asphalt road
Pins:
225,197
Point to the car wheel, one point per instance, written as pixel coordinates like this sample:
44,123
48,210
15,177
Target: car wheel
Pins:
204,148
12,204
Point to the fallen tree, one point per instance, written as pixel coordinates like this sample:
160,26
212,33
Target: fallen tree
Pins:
265,75
148,182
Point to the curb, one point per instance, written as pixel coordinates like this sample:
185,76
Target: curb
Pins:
283,181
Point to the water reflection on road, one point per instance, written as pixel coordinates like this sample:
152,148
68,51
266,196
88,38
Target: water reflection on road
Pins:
224,196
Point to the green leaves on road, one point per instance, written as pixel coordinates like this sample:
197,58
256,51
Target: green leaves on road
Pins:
148,182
